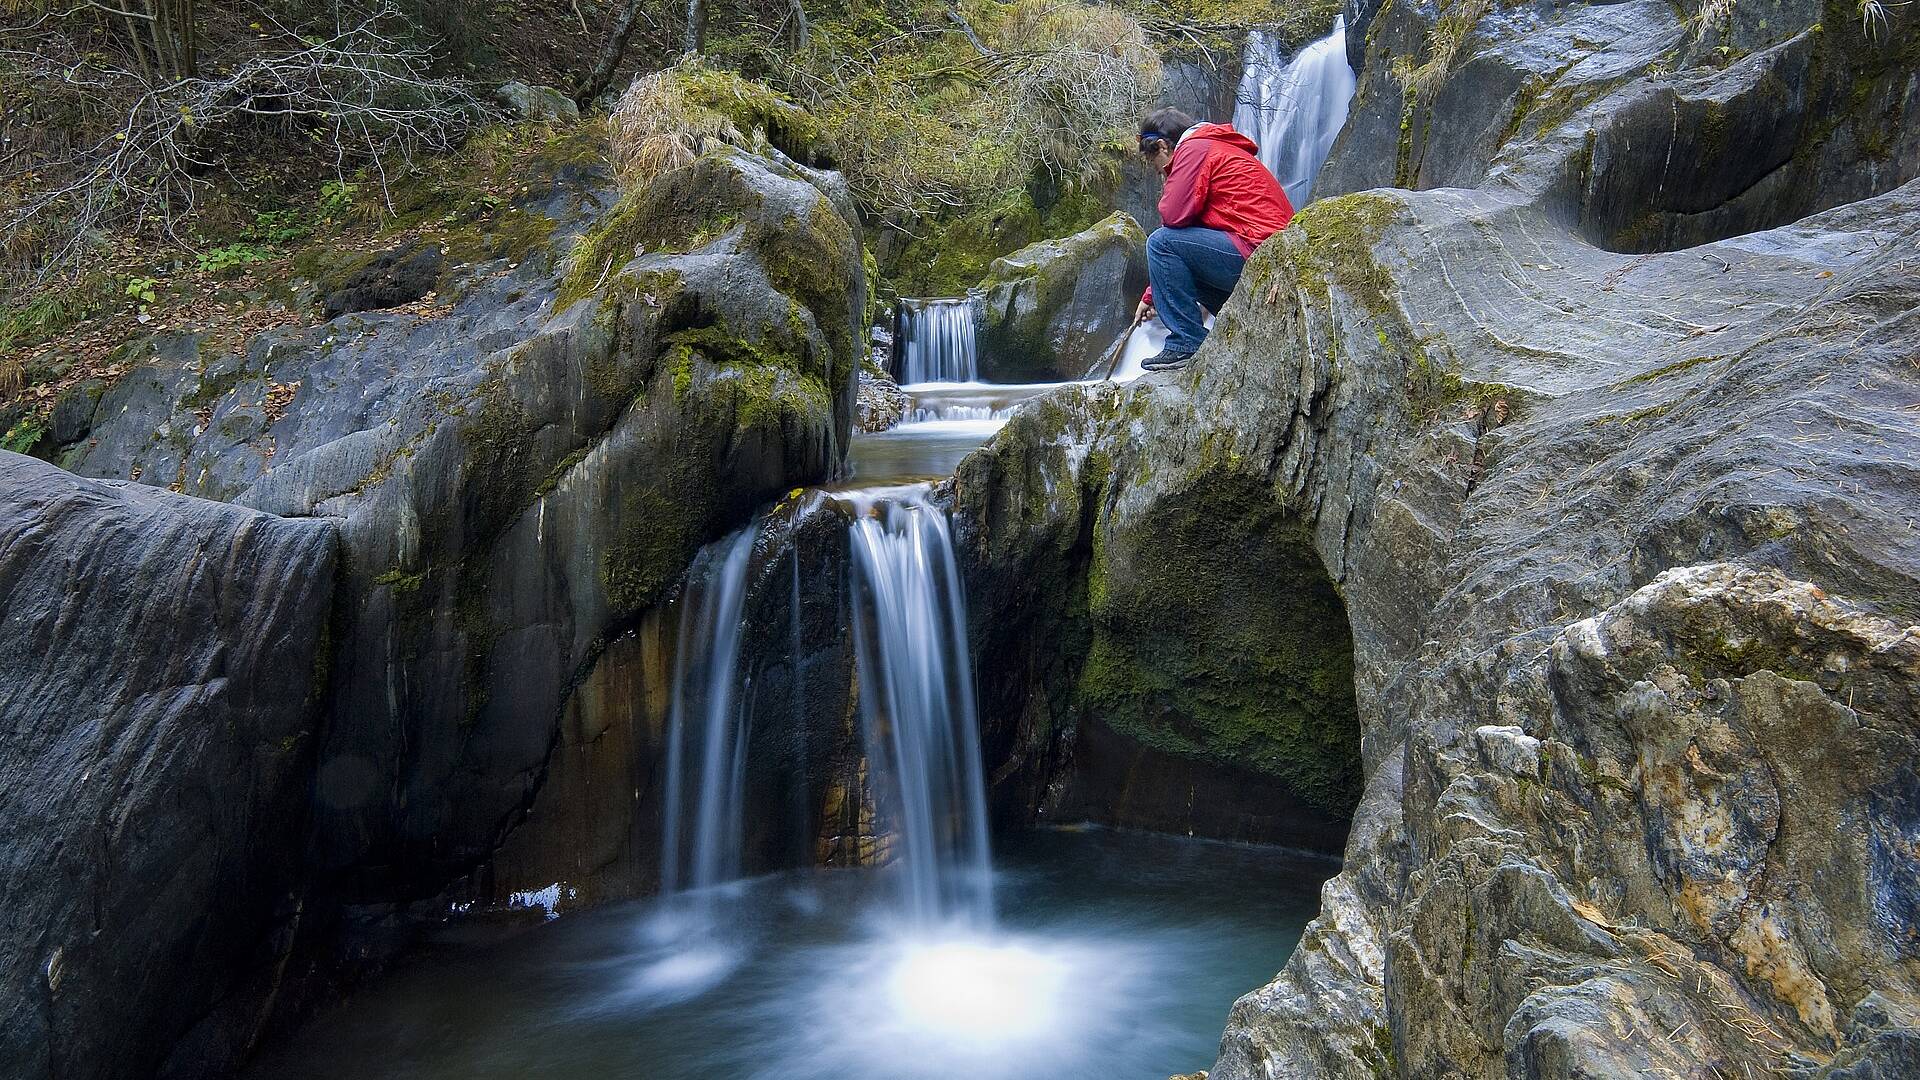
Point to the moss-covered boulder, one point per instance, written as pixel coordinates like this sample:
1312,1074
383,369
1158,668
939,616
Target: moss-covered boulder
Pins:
520,477
1051,310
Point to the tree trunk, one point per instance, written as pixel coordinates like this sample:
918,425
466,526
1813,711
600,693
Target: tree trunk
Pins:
610,54
798,12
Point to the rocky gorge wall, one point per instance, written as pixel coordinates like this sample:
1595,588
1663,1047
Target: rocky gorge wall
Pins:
162,667
518,470
1623,543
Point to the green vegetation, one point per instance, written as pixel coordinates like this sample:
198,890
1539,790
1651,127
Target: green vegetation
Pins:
1445,42
1218,636
1331,245
965,130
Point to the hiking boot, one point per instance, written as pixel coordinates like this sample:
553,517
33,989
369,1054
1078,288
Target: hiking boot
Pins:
1166,361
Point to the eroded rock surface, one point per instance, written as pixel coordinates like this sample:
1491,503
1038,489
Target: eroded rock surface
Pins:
1626,548
1051,310
519,474
162,661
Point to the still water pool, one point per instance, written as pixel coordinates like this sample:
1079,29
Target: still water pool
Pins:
1114,956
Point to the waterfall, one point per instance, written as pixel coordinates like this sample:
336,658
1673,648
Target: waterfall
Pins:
916,700
1293,111
956,412
707,728
938,342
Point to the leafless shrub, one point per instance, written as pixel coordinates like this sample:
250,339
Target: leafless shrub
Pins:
952,111
361,95
1089,73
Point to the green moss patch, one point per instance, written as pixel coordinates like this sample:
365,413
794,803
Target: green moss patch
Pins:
1218,636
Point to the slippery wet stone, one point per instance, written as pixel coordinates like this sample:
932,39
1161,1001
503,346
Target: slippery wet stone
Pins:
162,661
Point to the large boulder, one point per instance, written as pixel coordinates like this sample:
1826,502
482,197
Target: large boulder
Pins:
1051,310
1479,462
162,662
520,475
1649,130
1622,542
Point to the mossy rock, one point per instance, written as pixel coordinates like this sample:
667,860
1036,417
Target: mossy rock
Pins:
1051,310
1218,636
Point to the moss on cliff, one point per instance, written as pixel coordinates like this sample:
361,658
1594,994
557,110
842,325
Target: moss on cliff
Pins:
952,256
1218,636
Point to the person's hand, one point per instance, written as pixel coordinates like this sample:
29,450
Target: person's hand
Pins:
1143,312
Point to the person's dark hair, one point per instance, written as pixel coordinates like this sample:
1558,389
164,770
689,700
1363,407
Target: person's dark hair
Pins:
1163,125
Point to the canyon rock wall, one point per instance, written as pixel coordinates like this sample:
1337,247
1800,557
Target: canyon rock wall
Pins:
519,468
1625,542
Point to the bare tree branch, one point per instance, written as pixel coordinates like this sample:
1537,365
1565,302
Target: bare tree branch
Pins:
361,93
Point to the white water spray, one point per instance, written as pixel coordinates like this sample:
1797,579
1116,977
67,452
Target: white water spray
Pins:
938,345
1295,110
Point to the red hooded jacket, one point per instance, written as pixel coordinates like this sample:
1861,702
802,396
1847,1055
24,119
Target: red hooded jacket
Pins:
1215,181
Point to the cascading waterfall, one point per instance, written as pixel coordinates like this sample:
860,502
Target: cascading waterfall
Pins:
707,725
1295,110
970,413
916,679
938,342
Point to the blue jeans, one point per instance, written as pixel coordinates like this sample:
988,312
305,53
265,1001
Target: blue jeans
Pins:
1190,267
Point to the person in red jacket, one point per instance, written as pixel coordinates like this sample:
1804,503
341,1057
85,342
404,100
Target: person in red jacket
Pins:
1218,204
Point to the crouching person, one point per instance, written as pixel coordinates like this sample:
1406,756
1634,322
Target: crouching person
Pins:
1217,205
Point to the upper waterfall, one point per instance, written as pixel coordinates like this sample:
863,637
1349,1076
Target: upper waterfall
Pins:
937,343
1294,110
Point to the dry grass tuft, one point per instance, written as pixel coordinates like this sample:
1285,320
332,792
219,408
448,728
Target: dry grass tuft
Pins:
13,377
1444,42
1713,15
658,127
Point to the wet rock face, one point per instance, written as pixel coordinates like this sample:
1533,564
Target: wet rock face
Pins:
1623,546
880,403
1051,310
519,480
1182,664
161,665
803,784
1651,136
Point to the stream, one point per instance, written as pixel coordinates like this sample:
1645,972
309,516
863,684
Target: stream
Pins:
1065,952
1116,956
1070,952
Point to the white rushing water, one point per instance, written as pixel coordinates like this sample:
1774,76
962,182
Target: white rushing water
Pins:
937,345
916,702
1293,111
708,726
701,815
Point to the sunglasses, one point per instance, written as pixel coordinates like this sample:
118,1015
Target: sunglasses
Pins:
1151,144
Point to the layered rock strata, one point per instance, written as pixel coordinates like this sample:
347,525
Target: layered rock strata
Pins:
1624,540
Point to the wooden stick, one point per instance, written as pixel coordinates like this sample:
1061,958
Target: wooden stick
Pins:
1114,360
